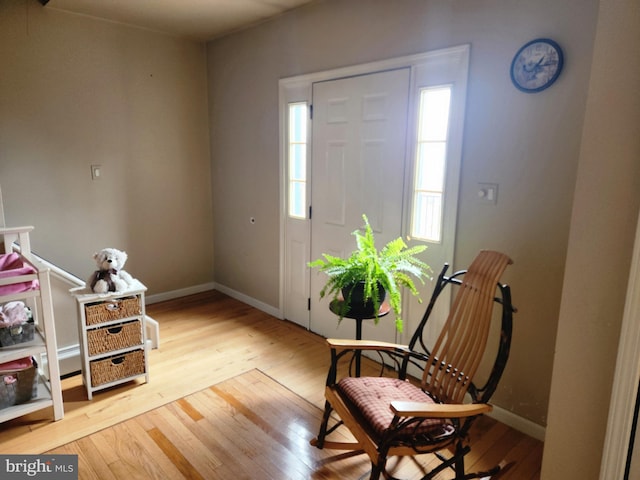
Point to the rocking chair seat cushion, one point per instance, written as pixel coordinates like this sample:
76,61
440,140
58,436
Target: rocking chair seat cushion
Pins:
372,397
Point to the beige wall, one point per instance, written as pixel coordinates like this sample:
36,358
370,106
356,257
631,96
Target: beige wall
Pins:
528,144
75,92
603,226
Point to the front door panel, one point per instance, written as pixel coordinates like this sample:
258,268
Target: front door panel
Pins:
358,167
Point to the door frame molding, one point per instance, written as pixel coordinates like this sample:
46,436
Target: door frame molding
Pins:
627,375
294,88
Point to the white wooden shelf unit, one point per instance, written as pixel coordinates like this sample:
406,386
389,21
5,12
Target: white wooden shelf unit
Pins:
43,348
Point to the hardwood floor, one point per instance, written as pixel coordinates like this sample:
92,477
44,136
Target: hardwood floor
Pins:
206,339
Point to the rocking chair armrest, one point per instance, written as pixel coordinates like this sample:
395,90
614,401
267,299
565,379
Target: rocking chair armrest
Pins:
438,410
350,344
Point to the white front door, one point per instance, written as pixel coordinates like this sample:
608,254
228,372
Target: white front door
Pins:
357,167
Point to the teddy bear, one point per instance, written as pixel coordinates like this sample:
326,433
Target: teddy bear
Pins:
110,277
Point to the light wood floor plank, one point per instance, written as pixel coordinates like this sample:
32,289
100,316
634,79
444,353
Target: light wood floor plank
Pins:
208,434
90,460
182,464
235,437
162,463
254,444
188,448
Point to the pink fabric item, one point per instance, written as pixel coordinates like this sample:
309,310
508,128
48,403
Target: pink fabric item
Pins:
12,265
372,396
16,365
13,314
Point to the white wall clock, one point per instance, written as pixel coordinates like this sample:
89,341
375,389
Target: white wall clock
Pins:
537,65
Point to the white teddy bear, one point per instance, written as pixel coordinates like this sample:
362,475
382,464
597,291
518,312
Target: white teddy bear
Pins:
110,277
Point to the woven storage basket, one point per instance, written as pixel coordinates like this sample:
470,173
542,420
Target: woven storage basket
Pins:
117,367
15,335
112,310
18,387
114,337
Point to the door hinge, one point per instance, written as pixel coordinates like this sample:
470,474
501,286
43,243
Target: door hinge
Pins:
310,210
311,111
309,304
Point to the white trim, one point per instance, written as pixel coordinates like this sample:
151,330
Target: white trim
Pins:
204,287
69,351
183,292
60,273
55,270
398,62
518,423
69,359
625,382
282,197
275,312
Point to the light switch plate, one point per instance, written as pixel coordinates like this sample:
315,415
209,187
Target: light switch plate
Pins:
96,172
488,193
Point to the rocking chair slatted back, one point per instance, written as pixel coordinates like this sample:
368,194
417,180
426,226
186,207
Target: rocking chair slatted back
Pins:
460,346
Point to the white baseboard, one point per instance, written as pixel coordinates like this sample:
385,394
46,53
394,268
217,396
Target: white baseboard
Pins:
518,423
183,292
250,301
69,359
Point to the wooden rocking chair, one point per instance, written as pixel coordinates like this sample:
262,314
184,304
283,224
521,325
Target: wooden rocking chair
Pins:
398,417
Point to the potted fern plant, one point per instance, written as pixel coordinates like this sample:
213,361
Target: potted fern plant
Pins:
368,274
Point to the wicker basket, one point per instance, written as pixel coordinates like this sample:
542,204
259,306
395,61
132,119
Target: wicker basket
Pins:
18,387
114,337
17,334
117,367
112,310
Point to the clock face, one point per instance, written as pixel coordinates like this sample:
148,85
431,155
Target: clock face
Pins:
537,65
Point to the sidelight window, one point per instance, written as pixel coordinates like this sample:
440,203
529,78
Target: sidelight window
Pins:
430,163
297,159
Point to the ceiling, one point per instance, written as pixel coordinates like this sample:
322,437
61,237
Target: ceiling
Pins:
196,19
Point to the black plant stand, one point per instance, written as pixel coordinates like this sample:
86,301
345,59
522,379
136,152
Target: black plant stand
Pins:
338,307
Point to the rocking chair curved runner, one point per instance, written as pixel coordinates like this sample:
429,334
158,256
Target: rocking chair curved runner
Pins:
398,417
